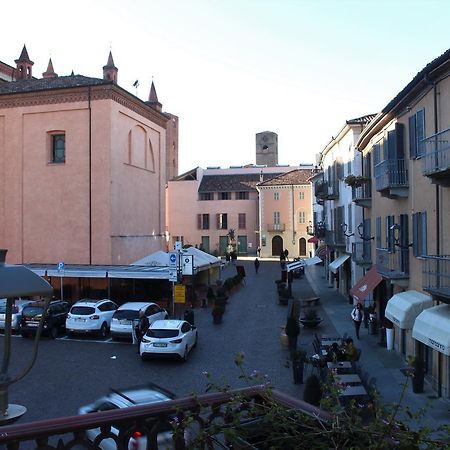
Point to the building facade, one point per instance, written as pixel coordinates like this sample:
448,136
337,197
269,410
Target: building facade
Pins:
83,165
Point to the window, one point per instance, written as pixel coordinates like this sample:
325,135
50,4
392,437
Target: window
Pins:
203,221
349,219
416,134
389,232
58,155
276,196
378,231
206,196
242,195
301,195
241,221
420,233
302,217
224,195
276,217
222,222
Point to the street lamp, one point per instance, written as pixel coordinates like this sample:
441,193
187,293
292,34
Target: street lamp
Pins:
396,235
360,229
344,228
17,281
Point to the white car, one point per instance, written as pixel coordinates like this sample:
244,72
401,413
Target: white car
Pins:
169,337
124,398
91,316
128,314
16,318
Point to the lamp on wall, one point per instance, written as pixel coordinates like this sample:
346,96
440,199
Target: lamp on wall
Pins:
344,228
396,235
360,229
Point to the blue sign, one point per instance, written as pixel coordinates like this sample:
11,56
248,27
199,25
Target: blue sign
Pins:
173,258
61,265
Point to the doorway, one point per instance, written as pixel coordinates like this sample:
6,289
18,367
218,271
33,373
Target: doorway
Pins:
277,245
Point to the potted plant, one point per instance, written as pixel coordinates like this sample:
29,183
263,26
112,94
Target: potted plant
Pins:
217,312
310,319
355,180
417,373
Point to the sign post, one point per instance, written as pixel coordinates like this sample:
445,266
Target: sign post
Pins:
61,266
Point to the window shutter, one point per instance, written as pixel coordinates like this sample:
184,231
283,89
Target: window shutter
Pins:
423,229
420,131
400,140
218,221
412,137
415,226
391,146
199,221
378,225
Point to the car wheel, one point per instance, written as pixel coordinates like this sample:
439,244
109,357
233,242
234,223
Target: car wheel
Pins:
53,332
185,355
103,330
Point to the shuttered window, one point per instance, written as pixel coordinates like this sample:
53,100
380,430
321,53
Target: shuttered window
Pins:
420,234
416,134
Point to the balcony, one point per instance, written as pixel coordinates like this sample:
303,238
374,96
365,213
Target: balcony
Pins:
276,227
208,412
362,195
321,191
335,238
391,178
333,190
393,264
362,253
436,276
436,160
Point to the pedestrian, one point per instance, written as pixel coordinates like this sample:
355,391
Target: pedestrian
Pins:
286,254
292,331
256,265
142,327
357,316
258,250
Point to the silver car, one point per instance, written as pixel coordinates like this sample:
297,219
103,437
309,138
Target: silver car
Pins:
16,318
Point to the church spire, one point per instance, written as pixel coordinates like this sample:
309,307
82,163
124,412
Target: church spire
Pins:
50,73
110,70
24,65
153,98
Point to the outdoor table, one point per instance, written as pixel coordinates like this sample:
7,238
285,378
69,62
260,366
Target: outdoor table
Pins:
347,378
354,391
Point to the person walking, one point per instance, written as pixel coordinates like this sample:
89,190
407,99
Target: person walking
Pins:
357,315
286,254
259,251
256,265
142,327
292,331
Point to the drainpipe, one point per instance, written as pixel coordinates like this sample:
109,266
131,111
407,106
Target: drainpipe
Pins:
293,217
90,175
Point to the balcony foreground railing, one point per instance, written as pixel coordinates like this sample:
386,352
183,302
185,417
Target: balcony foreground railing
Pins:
393,264
362,253
391,177
436,276
436,160
67,433
276,227
362,195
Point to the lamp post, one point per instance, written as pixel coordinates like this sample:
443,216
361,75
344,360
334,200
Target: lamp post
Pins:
17,281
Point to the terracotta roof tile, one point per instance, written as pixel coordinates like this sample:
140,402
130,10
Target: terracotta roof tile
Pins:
297,176
232,183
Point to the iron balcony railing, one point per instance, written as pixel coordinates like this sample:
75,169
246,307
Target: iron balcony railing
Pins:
275,227
333,190
393,263
147,421
362,253
436,275
362,194
391,174
335,238
436,157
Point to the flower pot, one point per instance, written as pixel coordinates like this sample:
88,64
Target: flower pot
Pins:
310,323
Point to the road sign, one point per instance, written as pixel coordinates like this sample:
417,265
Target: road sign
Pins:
187,264
178,246
173,275
180,293
61,266
173,259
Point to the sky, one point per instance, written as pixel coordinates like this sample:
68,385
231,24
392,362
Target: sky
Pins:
232,68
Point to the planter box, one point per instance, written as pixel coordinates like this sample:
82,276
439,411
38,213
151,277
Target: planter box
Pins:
310,323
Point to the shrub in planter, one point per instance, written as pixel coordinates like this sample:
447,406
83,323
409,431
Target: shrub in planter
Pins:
310,318
313,390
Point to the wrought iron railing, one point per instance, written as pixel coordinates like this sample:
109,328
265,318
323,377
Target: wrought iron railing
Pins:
391,174
145,421
393,263
362,253
436,153
436,275
276,227
335,238
363,192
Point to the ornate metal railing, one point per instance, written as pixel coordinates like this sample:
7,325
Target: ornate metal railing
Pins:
335,238
393,264
362,253
276,227
362,193
436,275
146,421
436,153
391,174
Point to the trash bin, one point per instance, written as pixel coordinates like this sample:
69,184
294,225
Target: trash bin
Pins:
189,316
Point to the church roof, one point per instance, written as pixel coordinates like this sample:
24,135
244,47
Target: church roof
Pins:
297,176
227,183
24,55
44,84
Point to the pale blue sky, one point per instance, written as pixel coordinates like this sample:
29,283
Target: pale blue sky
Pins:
230,69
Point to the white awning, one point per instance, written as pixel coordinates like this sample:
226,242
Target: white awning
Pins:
404,307
312,261
76,273
334,266
432,328
303,262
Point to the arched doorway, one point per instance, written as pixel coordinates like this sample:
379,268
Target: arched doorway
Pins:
277,245
302,247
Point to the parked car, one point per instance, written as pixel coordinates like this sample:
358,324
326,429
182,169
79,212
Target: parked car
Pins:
54,322
16,318
169,337
122,320
91,316
124,398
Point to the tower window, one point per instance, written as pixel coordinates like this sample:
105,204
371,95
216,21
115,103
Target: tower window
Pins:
58,149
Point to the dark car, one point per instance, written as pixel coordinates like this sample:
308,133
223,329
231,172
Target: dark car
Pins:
54,322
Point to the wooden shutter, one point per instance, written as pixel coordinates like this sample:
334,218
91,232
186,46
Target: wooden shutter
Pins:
423,230
412,137
415,225
199,221
420,131
218,221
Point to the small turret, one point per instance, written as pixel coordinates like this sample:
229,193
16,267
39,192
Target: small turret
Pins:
110,70
153,98
24,66
50,73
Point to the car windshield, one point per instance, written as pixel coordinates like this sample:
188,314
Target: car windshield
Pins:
82,310
155,333
128,314
31,311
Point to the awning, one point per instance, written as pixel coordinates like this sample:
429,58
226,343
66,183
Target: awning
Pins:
404,307
432,328
312,261
366,284
313,240
76,273
303,262
334,266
